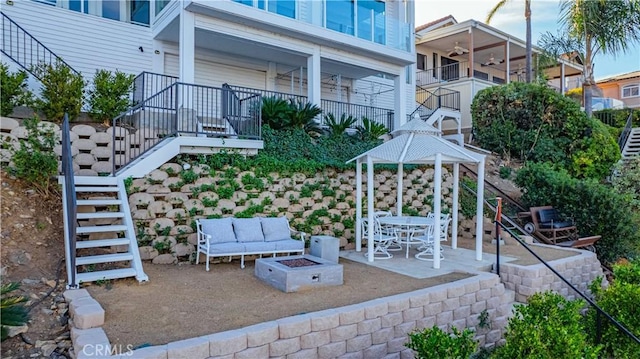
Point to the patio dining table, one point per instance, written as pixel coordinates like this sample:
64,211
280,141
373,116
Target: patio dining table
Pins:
406,226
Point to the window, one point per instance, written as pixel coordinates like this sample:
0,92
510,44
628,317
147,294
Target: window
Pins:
340,14
160,4
139,11
421,62
371,20
111,9
434,63
631,91
283,7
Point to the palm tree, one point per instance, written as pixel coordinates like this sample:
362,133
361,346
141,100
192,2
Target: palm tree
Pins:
527,17
593,26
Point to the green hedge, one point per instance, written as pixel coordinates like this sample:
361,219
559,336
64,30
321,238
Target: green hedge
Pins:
596,208
532,122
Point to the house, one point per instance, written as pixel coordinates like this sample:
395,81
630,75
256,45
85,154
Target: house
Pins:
469,56
346,56
625,87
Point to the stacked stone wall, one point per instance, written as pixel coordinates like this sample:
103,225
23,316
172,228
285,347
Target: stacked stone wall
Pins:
580,270
375,329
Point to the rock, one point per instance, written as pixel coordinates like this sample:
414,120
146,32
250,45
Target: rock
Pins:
51,283
148,253
47,349
165,259
15,330
182,249
19,257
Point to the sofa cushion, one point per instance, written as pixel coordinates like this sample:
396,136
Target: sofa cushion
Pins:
220,229
248,229
226,248
275,229
289,245
555,225
547,215
259,247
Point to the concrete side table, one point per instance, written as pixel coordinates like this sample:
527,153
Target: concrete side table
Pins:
325,247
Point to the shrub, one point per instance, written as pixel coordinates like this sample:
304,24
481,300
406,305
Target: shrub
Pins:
549,327
13,90
12,311
274,112
595,207
620,300
434,343
302,115
371,130
627,181
34,161
338,127
62,91
110,94
533,122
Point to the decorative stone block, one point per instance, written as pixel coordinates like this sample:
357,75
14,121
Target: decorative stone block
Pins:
194,348
332,350
344,332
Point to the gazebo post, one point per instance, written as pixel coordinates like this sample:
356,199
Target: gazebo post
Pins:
399,189
454,206
358,205
479,210
437,197
370,198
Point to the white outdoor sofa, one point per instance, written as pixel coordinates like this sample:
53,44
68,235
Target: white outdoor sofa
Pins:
222,237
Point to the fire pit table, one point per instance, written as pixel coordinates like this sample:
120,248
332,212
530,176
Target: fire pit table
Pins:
295,273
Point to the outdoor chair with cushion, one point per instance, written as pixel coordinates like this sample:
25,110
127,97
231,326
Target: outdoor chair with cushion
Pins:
551,228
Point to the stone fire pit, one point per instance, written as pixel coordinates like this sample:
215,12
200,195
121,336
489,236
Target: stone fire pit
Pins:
295,273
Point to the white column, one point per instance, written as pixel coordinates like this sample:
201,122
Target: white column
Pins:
400,98
454,206
437,197
313,78
272,73
399,189
187,47
479,211
507,60
157,64
358,205
370,198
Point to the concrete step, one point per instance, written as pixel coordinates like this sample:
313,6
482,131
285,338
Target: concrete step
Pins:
98,202
104,258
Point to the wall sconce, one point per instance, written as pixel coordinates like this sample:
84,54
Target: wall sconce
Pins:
9,2
157,52
141,49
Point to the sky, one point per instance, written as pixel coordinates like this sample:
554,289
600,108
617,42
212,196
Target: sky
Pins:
510,19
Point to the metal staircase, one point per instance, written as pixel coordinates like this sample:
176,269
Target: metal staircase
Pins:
632,144
106,245
437,106
24,49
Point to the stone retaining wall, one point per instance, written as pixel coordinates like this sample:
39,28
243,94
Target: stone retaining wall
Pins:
374,329
579,270
92,150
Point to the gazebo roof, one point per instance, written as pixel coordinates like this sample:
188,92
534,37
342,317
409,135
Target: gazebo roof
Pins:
417,142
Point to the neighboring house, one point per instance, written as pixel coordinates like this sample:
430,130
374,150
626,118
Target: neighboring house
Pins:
351,56
470,56
625,87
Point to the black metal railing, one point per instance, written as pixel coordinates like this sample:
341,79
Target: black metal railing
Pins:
435,99
272,94
187,110
380,115
70,202
626,131
25,50
600,312
147,84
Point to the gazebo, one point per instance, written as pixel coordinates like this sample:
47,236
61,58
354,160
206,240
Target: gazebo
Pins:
417,142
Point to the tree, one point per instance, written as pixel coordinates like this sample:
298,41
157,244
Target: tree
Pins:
527,17
593,26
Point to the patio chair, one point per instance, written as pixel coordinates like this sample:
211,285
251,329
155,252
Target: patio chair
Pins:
394,245
381,239
427,247
549,227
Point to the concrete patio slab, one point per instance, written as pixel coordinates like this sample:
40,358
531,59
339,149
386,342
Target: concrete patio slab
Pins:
455,260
